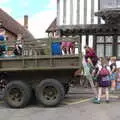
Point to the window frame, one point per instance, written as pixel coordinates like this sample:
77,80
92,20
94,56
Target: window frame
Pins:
104,43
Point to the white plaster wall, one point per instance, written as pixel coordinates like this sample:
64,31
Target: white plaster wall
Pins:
75,12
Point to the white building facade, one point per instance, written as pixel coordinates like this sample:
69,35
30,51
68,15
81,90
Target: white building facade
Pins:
82,12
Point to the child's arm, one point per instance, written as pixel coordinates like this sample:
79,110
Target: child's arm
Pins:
113,69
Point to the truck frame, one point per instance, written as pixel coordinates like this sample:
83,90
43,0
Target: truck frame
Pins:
45,77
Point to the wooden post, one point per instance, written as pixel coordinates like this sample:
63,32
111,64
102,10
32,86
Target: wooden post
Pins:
104,46
99,19
94,42
78,12
71,12
80,51
58,12
114,45
64,12
92,11
80,43
87,40
85,11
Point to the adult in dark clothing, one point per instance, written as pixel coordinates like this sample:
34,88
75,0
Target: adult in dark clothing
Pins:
18,46
17,50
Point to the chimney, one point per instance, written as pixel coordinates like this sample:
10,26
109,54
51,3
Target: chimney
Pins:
26,21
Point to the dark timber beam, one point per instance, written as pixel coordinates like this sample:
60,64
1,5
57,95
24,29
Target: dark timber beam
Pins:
87,40
58,12
92,11
94,42
99,19
78,12
85,11
64,12
71,12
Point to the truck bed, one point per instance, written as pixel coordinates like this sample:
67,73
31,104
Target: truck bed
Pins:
45,62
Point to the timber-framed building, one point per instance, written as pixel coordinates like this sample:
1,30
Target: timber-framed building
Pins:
105,37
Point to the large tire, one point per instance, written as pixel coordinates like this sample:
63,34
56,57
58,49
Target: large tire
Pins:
17,94
50,92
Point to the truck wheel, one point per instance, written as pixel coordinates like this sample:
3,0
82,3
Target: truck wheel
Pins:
17,94
50,92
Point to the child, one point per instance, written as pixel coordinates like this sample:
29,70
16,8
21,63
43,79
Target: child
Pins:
68,47
3,48
118,78
103,81
113,73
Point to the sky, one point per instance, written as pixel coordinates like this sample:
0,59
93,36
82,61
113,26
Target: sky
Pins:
41,13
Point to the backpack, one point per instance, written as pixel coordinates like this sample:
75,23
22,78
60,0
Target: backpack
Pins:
104,71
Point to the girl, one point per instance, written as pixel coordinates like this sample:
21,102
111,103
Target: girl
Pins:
103,81
113,73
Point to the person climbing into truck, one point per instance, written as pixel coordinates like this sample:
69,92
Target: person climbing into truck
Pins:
91,58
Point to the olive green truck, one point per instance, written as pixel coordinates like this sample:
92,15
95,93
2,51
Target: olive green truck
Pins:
43,76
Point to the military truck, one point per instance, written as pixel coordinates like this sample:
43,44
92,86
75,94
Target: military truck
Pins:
37,73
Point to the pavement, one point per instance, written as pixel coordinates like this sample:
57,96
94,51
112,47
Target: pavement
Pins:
76,106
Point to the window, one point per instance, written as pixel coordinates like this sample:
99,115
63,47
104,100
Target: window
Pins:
100,50
104,45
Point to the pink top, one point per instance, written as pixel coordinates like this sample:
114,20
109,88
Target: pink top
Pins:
67,44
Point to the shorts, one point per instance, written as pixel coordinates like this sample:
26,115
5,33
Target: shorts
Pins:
104,81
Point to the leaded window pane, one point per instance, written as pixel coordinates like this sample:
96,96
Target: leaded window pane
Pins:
118,51
100,50
118,40
108,50
100,39
109,39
